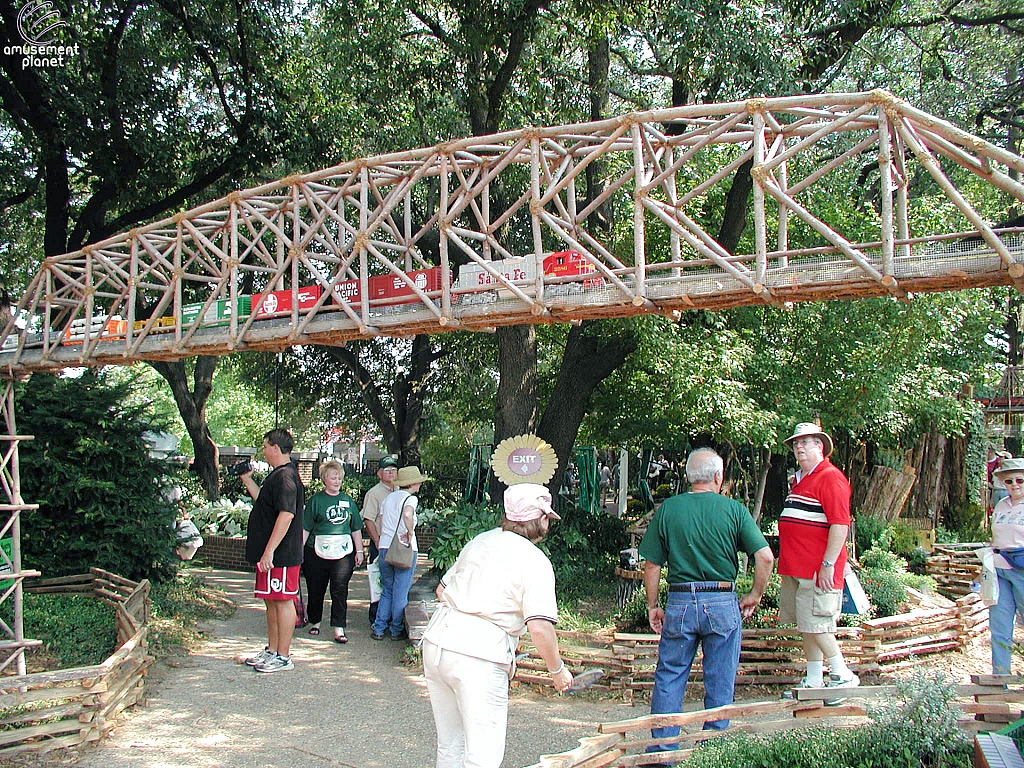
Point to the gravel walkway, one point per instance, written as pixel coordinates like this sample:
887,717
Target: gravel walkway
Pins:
353,705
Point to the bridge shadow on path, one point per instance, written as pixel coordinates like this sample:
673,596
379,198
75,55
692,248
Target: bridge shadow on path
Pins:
354,705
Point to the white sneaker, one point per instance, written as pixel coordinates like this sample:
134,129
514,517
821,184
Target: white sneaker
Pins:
276,664
838,681
265,655
788,693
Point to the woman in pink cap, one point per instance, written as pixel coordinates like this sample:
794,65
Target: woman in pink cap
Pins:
501,586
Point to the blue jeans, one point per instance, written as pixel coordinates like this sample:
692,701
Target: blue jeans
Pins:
394,596
713,620
1001,616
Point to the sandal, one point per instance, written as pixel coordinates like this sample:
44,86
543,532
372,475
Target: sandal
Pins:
340,638
314,630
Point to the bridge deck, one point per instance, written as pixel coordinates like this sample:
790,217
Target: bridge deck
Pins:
948,263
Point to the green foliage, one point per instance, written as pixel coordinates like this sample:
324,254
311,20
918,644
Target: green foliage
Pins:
231,485
222,517
76,629
966,521
633,617
455,527
916,730
885,577
903,539
869,531
100,495
584,550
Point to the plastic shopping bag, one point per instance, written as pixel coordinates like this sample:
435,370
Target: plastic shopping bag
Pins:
855,600
987,584
373,571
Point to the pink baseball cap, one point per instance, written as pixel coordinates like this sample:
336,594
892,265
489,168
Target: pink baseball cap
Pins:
528,501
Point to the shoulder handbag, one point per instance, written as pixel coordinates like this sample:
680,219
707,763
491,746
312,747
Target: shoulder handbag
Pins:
400,555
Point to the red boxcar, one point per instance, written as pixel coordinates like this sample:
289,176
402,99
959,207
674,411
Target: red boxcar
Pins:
349,291
571,263
394,287
277,303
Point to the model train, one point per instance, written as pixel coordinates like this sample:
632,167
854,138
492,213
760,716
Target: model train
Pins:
390,293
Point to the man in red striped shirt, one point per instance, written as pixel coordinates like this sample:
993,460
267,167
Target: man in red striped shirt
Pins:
812,556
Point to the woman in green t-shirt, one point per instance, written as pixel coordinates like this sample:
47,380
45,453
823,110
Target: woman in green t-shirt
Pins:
334,547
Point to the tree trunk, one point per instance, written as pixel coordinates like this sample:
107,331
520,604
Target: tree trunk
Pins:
764,464
515,404
192,407
400,430
590,357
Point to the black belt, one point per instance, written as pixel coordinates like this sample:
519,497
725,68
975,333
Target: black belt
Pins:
702,586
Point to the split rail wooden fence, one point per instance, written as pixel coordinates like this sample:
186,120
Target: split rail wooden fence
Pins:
771,656
985,704
67,707
954,567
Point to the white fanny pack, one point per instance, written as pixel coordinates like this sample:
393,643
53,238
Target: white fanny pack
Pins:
333,546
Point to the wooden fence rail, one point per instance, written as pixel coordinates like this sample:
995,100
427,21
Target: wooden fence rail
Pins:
67,707
986,704
771,656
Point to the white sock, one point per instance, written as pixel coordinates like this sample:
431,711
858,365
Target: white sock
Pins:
838,666
814,674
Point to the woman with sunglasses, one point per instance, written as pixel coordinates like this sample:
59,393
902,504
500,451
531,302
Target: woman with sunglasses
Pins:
1007,533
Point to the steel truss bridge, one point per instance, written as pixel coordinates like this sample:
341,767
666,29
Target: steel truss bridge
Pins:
462,233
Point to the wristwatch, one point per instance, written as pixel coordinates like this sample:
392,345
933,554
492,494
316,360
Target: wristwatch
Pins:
827,563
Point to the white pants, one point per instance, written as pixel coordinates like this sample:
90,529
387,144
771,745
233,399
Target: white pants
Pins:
469,697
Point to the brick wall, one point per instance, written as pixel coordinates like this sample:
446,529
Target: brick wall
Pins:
223,552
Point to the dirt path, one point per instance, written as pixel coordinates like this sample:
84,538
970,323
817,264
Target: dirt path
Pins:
353,705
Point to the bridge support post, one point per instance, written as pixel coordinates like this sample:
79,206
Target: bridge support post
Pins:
12,637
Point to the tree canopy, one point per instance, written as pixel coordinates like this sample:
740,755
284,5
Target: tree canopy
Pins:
174,102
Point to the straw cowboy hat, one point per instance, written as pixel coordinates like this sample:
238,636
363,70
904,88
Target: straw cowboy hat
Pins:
410,476
1008,466
809,429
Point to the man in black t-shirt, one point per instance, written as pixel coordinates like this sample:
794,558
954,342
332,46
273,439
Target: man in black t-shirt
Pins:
274,546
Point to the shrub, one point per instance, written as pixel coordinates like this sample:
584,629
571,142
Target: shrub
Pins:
100,495
967,520
77,630
917,730
455,527
222,517
663,491
885,578
869,532
584,550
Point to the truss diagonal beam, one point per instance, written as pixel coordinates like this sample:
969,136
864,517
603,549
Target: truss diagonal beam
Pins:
427,240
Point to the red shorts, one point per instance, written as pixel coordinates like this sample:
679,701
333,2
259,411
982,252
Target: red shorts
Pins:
277,583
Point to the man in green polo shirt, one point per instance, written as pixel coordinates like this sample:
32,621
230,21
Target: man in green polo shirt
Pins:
698,536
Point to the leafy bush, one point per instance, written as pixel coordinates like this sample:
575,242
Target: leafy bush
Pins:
455,527
634,615
77,630
101,497
902,538
967,520
584,550
663,491
222,517
917,730
885,578
869,531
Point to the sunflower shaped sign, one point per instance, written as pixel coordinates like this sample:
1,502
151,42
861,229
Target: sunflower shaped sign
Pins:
524,459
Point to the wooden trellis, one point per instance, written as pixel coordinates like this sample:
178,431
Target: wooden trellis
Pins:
518,195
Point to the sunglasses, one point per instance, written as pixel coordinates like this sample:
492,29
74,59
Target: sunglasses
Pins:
1014,481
